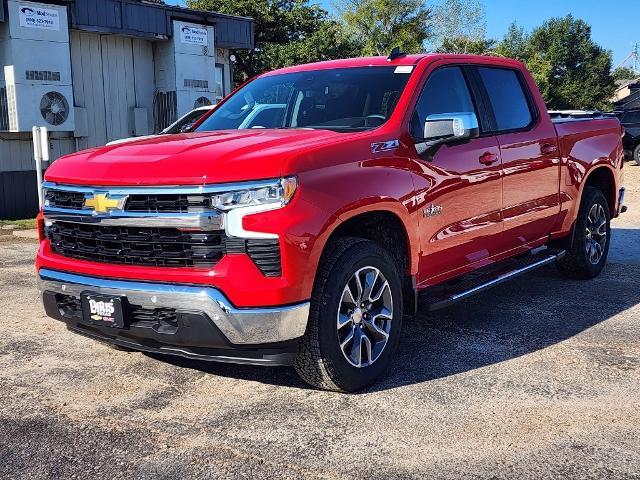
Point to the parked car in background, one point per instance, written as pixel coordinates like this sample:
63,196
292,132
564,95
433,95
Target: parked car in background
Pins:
183,124
299,221
261,116
630,120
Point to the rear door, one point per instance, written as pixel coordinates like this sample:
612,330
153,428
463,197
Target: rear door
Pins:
530,157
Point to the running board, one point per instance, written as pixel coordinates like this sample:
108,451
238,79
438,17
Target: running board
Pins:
441,296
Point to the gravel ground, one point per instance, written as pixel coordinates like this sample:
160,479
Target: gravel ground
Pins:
539,378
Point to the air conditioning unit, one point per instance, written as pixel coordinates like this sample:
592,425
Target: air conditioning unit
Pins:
37,71
186,65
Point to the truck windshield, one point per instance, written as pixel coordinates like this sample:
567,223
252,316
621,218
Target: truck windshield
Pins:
342,100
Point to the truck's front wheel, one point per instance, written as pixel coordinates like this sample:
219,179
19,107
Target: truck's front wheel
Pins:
355,318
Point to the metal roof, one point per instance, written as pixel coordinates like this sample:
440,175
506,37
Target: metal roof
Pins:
137,18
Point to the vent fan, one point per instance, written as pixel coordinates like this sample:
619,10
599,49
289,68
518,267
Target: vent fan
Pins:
54,108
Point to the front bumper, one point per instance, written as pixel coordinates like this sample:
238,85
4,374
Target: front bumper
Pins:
191,321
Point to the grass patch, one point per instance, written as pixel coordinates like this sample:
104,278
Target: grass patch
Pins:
23,224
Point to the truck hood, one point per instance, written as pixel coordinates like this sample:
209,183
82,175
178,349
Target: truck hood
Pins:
188,159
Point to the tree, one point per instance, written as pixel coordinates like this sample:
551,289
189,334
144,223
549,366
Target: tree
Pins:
285,32
572,70
624,73
384,24
484,46
515,43
459,25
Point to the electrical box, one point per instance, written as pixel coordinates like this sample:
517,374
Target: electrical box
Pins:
186,65
34,47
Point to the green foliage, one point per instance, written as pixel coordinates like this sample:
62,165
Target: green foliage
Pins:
384,24
286,32
624,73
515,43
483,46
459,26
572,71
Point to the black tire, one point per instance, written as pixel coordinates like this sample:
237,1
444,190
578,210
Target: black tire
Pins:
320,360
636,154
576,263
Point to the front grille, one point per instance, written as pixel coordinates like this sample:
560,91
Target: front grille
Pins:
167,247
64,199
167,203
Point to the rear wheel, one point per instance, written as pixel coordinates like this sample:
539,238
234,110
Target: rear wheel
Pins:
636,154
355,318
588,253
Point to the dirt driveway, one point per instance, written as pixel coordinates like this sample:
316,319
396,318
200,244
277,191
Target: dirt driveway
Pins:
536,378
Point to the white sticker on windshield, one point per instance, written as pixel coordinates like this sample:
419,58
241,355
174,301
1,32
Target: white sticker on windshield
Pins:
403,69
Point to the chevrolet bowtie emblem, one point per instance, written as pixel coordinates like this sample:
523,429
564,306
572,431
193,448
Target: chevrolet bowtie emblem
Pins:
101,203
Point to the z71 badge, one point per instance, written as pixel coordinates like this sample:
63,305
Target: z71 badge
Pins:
384,146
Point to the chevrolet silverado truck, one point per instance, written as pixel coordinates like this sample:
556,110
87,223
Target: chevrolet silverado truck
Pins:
376,186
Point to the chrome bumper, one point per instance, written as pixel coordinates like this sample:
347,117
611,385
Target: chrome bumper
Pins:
241,326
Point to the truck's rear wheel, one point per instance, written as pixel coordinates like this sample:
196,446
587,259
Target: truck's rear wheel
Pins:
355,319
588,253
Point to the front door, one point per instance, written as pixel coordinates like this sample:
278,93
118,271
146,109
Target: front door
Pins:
458,187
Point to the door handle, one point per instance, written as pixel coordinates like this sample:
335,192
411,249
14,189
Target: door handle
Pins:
548,149
488,158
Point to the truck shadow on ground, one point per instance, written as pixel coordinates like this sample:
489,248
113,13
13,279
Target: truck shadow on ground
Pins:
514,319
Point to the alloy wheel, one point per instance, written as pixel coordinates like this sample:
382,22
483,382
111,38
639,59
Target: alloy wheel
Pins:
596,233
364,317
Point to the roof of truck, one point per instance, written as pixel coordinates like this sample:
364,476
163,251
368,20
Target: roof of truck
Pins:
382,61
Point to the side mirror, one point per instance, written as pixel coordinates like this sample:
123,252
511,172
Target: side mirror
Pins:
448,127
186,127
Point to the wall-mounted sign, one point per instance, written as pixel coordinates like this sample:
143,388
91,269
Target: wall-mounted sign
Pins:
194,35
36,17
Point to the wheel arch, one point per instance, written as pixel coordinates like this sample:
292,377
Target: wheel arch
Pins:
385,226
603,178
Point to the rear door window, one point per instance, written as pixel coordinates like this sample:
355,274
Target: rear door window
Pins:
508,98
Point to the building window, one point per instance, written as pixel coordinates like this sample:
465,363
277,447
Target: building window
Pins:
220,93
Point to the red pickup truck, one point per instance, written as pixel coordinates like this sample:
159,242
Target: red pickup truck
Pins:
362,186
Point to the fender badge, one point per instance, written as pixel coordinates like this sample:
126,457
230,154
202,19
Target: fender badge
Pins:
378,147
432,210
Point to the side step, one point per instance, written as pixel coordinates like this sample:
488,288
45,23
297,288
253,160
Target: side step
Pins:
441,296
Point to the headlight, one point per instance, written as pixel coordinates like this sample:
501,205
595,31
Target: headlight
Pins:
280,192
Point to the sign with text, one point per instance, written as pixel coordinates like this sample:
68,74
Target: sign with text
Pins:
194,36
36,17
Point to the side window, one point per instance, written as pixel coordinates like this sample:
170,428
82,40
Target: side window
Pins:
507,97
446,91
632,117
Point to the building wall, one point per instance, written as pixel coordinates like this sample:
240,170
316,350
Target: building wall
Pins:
18,185
112,76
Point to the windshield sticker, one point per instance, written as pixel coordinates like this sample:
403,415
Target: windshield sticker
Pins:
403,69
384,146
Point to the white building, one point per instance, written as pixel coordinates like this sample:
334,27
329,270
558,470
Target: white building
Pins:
93,71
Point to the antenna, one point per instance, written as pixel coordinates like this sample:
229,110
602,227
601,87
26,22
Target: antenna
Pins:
395,53
634,57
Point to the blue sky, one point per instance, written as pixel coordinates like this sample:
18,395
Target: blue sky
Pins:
614,23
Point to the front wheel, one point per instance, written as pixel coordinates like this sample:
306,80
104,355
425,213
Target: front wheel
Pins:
636,154
588,253
355,318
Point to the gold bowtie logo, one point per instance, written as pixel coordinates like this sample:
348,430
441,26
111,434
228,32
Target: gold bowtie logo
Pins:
101,203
